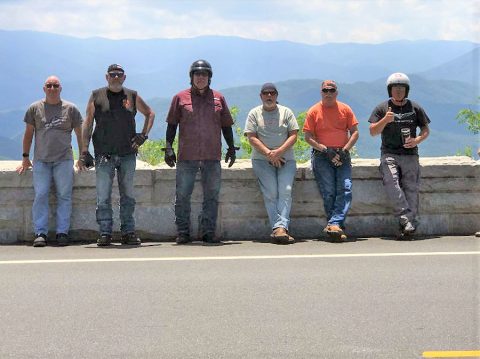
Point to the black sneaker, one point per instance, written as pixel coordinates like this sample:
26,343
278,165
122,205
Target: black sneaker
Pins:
62,239
209,239
104,240
183,239
131,239
40,240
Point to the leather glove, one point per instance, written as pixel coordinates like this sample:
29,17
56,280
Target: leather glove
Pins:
331,153
231,155
87,159
343,154
138,140
334,157
170,158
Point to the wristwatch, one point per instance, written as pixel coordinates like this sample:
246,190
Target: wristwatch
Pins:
25,155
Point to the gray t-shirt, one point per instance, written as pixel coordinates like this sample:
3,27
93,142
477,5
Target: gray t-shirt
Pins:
53,129
272,128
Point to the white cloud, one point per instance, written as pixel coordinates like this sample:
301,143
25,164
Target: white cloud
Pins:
307,21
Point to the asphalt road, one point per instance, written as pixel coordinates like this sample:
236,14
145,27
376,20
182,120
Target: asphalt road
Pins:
372,298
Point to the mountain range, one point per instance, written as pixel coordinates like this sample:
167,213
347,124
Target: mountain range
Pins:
444,75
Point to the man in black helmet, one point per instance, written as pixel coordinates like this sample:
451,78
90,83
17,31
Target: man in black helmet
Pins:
202,114
397,120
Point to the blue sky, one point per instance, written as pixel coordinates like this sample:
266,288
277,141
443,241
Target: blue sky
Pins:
306,21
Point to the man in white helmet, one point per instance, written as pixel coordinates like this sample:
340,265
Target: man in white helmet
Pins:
397,120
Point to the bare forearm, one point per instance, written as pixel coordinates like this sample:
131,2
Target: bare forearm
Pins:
148,113
148,124
28,138
377,127
87,126
424,133
27,144
86,136
290,141
310,139
78,134
352,140
258,145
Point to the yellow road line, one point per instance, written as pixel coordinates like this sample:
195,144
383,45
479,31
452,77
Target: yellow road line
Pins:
452,354
223,258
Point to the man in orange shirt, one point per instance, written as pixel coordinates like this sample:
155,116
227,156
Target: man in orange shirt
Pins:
331,129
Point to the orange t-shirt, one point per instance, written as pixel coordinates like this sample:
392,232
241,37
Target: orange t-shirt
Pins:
330,125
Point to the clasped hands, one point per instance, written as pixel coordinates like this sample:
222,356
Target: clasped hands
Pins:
337,156
275,158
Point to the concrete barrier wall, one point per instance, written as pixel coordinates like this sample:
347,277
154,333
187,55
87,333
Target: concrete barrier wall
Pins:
449,202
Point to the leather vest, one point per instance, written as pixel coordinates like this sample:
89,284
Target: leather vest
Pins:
114,121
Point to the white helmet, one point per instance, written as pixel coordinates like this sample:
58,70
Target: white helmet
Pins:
398,78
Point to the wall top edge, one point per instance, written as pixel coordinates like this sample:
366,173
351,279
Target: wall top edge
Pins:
242,164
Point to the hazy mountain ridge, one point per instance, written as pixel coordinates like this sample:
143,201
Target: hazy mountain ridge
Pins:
444,75
159,67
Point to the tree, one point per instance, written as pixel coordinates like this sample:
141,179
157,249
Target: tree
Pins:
245,147
151,152
302,148
471,118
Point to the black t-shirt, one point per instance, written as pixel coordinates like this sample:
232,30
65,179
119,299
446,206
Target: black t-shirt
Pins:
411,115
115,99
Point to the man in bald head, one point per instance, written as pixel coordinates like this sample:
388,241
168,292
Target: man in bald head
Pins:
51,120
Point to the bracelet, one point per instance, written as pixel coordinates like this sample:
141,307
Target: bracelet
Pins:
26,155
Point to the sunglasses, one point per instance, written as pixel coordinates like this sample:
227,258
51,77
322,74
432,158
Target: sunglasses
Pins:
115,74
329,90
272,93
49,86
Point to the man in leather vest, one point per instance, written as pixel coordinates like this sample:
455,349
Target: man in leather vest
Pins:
202,115
115,143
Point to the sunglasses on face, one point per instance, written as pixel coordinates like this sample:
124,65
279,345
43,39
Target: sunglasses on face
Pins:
115,74
49,86
329,90
272,93
201,73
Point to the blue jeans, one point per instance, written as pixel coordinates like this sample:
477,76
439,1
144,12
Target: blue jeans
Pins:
62,174
335,185
211,176
276,186
105,171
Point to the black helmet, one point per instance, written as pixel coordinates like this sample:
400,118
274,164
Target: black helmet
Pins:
398,78
201,65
